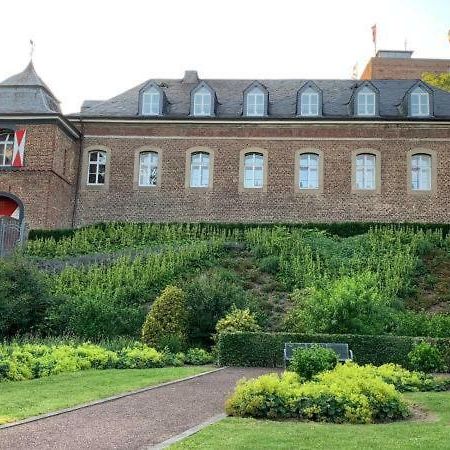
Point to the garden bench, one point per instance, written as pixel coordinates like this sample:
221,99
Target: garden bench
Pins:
342,350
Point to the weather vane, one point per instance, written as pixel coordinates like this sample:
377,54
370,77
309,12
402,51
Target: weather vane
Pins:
31,49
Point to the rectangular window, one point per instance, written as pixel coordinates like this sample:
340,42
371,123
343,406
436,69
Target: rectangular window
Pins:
6,149
420,104
255,103
199,170
253,170
365,171
421,173
97,168
309,171
309,104
150,103
148,169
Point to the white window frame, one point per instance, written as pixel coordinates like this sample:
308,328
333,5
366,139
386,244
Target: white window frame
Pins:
97,166
421,172
366,102
420,100
310,169
6,143
255,102
203,166
366,172
151,102
253,162
148,172
309,102
202,102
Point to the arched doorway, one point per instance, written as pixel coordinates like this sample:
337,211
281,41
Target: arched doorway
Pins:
12,224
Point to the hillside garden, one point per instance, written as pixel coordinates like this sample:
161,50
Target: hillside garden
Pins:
147,296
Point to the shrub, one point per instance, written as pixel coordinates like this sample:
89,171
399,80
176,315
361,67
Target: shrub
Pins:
352,397
24,298
266,349
270,264
237,320
173,359
198,357
307,362
140,357
426,357
209,297
165,325
350,304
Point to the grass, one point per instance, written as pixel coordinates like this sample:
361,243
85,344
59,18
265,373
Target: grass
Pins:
250,434
21,399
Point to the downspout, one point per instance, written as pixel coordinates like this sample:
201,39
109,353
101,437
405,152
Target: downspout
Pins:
79,172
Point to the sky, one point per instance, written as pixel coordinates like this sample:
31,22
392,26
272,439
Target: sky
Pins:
97,49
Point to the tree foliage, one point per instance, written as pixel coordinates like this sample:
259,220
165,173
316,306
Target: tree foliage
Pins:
439,80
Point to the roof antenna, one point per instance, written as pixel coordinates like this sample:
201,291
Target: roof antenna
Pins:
31,49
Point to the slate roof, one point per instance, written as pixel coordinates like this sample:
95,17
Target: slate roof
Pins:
26,93
337,97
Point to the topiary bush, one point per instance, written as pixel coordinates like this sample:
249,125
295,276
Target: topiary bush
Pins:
307,362
166,322
427,358
237,320
347,395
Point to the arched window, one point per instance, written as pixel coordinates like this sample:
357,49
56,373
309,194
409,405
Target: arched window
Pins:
6,149
421,172
255,102
366,100
148,168
151,102
253,170
365,176
202,102
420,102
308,171
200,169
309,102
97,168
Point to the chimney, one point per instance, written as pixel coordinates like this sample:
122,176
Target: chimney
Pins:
190,76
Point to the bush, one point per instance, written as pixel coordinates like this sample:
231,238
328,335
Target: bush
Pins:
266,349
165,325
198,357
140,357
270,264
307,362
209,297
427,358
350,304
237,320
24,298
351,397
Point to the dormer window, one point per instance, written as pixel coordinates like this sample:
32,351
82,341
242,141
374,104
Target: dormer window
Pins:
202,102
366,102
419,102
151,101
255,102
309,102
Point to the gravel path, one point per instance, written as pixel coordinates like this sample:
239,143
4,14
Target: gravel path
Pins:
133,422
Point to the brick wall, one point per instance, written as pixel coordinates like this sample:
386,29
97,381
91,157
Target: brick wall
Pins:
225,202
47,182
398,68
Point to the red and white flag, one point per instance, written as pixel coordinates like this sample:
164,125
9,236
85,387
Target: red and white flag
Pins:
19,148
374,33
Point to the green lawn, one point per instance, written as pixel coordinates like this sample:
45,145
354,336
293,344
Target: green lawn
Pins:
20,399
234,433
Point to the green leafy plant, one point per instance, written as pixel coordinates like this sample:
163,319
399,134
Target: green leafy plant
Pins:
307,362
346,394
198,357
237,320
166,322
426,357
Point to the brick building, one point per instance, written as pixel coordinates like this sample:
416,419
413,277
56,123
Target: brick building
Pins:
227,151
399,64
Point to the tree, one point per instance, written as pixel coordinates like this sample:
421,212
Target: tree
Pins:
439,80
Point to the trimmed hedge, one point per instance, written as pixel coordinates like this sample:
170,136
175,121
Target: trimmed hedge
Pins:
342,229
266,349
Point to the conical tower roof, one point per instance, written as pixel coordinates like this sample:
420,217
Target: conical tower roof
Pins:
25,92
